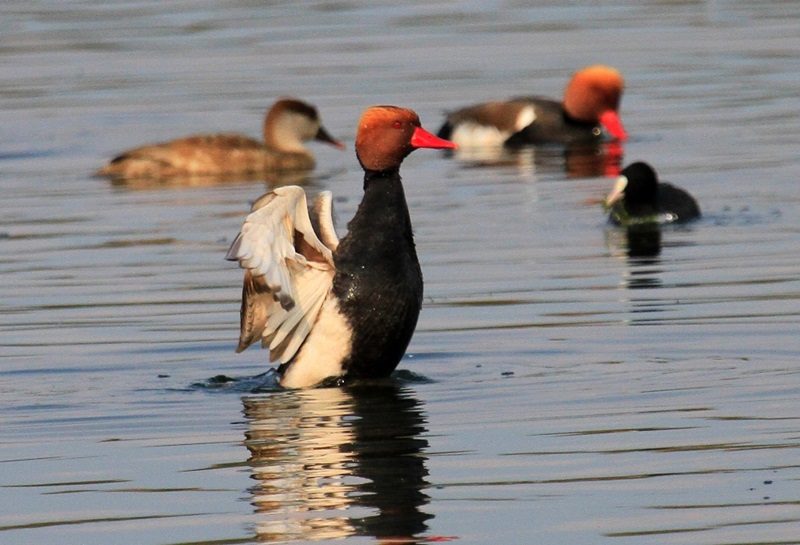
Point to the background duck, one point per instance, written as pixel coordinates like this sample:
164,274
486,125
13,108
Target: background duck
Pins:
590,105
287,125
639,198
337,308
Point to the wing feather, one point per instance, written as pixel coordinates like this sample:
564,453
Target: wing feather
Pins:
322,219
288,272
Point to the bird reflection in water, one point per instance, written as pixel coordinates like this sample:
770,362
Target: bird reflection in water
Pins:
641,246
576,161
270,180
643,251
336,462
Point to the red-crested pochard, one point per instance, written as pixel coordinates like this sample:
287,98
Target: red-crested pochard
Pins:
590,105
329,308
287,124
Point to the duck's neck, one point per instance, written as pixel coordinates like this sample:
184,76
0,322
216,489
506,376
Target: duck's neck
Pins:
381,227
569,119
282,136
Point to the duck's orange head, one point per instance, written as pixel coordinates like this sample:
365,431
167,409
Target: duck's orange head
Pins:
387,134
593,96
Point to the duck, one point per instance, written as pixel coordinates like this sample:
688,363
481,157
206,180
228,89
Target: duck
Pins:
638,198
590,106
287,125
331,309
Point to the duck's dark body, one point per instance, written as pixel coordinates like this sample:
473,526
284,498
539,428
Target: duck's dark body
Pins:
378,281
553,125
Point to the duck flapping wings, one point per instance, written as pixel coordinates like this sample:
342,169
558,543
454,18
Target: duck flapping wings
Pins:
287,255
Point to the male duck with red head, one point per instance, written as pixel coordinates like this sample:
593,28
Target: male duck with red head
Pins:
329,308
287,125
590,107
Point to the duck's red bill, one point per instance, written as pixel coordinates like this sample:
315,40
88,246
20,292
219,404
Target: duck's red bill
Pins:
423,139
613,124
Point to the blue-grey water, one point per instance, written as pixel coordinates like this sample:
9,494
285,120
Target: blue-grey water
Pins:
566,384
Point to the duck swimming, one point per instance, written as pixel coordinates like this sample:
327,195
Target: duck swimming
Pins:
287,125
330,308
589,107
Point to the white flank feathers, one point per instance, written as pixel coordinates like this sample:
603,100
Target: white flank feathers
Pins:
327,345
469,134
525,117
473,134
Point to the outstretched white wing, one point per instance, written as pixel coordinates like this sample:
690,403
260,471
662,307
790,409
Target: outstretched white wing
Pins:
288,270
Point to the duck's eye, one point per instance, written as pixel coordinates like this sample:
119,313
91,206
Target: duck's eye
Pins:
397,124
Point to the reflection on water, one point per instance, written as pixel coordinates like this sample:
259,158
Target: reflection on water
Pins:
270,180
574,161
334,462
640,246
643,243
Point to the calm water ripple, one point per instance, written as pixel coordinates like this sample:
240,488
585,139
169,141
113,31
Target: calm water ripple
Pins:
569,382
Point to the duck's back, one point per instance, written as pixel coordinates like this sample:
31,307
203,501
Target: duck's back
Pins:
205,154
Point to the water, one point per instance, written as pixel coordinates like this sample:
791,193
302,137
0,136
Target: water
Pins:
566,384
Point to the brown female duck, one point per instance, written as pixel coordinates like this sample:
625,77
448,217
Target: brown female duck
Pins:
287,125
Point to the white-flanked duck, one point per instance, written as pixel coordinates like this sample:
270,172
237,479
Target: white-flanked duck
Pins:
287,125
326,307
590,106
639,198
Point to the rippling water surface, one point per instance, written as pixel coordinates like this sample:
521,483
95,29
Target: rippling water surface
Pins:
568,382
